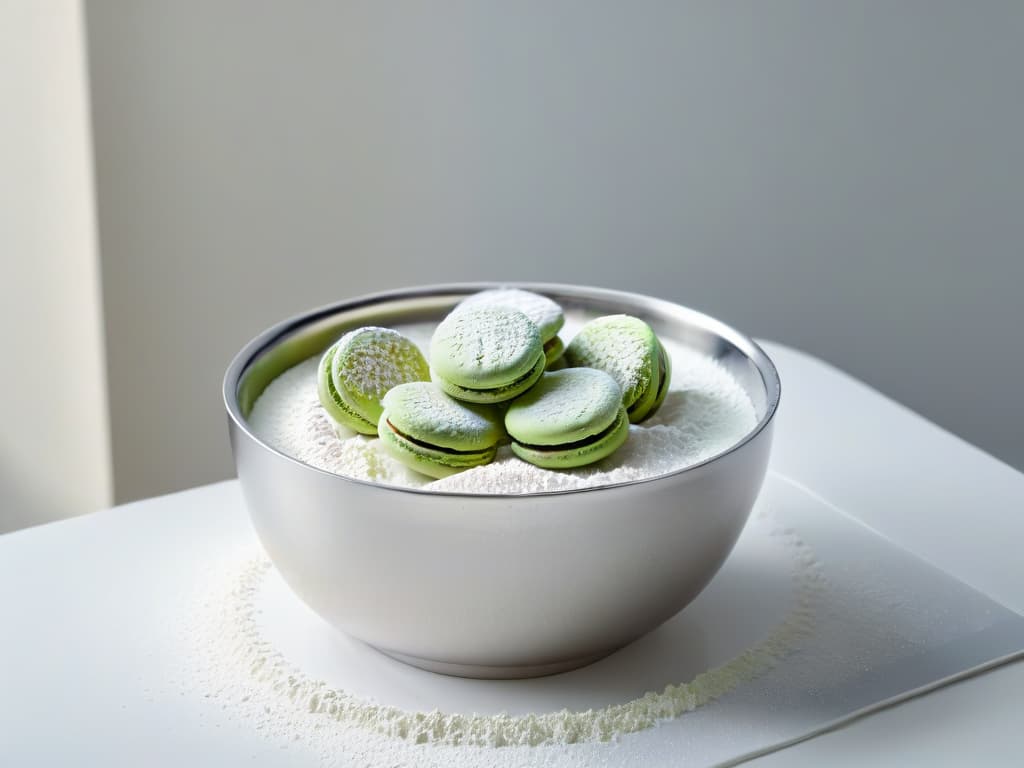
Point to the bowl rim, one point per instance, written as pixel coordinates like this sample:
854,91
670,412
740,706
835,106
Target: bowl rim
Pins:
268,338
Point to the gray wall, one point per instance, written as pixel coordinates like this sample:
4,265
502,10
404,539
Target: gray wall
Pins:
845,177
54,449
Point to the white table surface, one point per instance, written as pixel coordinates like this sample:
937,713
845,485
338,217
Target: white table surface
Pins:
925,489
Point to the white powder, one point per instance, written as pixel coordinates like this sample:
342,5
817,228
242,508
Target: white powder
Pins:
240,669
704,413
476,345
544,313
620,345
288,416
372,360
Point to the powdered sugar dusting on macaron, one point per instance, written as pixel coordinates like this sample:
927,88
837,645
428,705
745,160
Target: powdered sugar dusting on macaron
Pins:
486,346
620,345
370,361
565,406
423,410
545,313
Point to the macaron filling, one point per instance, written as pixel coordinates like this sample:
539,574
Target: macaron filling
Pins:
582,442
577,453
495,394
428,459
664,375
434,434
433,446
553,349
571,418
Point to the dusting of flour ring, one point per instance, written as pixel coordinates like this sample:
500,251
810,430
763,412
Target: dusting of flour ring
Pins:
237,666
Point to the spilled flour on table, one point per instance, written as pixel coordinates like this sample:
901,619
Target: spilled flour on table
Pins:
236,667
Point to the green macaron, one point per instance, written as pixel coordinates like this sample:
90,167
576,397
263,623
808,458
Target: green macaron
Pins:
357,371
544,312
571,418
434,434
626,348
486,354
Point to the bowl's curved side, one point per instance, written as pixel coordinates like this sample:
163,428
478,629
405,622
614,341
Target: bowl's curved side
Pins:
498,586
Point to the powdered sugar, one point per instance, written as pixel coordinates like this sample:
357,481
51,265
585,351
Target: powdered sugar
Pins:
545,313
421,409
289,417
485,346
624,347
648,452
566,405
238,663
705,412
370,361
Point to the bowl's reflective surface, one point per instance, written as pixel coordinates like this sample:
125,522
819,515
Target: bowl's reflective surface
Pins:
497,586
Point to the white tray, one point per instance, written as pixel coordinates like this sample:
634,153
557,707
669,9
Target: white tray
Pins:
813,620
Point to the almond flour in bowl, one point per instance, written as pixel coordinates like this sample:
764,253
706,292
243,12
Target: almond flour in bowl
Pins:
705,412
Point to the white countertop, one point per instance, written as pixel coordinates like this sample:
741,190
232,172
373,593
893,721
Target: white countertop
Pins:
944,500
925,489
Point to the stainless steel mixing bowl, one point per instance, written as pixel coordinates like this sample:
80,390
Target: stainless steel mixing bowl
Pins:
497,586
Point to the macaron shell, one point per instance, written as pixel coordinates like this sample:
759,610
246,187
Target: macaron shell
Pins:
370,361
664,377
485,347
497,394
564,407
557,365
429,461
626,348
554,348
424,413
332,401
644,404
578,455
544,312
